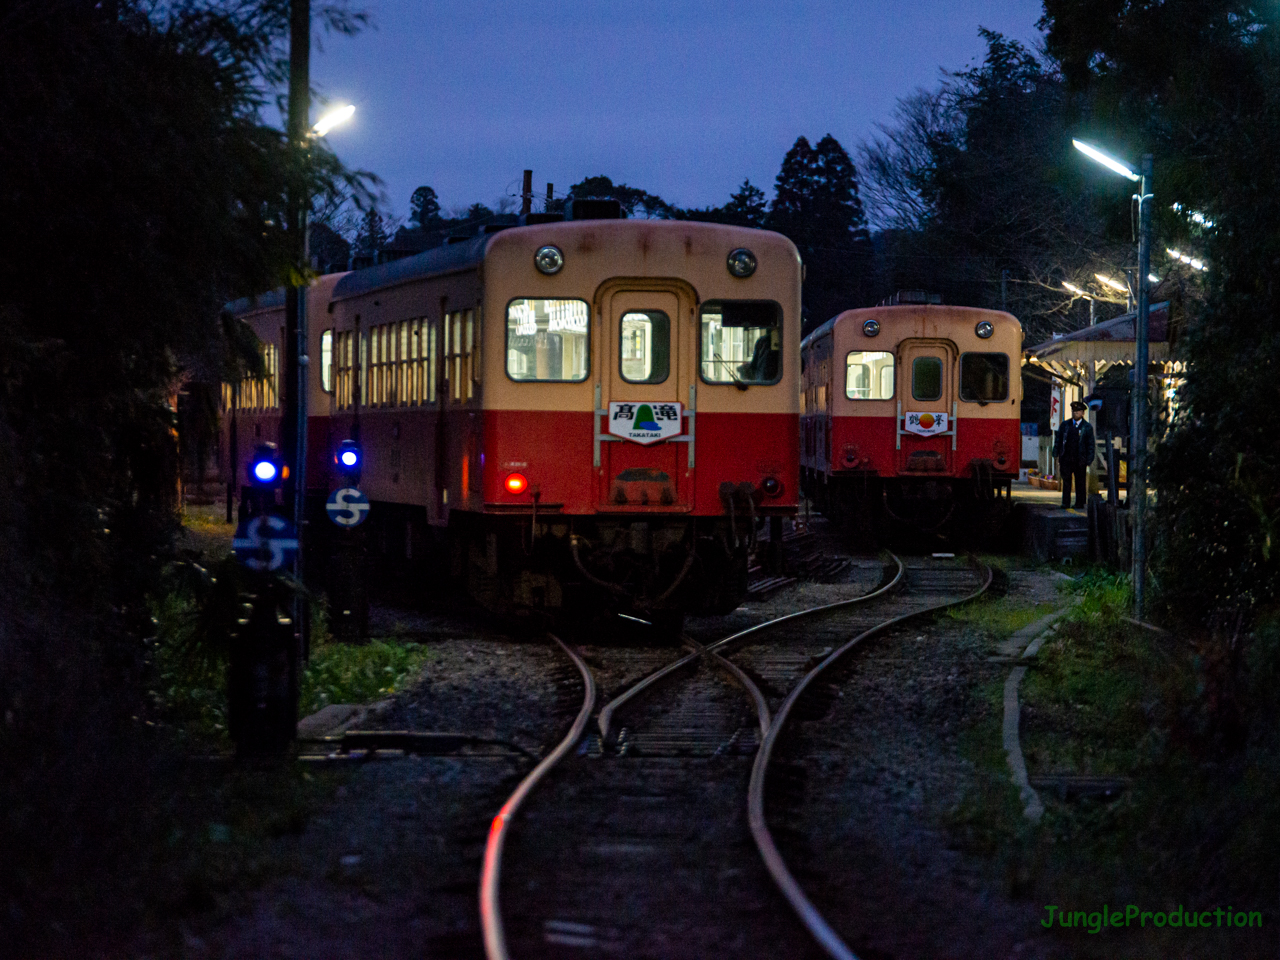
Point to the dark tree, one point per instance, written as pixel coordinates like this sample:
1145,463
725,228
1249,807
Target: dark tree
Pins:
817,205
150,192
330,250
972,184
634,201
373,235
746,208
424,208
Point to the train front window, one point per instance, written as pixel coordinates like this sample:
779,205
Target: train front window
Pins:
869,375
984,377
926,378
645,346
741,341
547,340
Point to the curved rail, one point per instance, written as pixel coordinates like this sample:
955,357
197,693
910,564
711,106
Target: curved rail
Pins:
827,938
495,938
606,714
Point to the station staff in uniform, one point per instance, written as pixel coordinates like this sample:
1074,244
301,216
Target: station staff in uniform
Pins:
1075,450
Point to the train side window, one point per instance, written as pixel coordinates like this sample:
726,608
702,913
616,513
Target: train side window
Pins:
984,377
741,341
926,378
547,340
645,346
868,375
326,361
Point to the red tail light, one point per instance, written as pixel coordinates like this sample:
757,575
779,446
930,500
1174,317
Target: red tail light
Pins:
516,483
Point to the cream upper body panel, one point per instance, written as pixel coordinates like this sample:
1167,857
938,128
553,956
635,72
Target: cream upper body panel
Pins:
903,324
603,257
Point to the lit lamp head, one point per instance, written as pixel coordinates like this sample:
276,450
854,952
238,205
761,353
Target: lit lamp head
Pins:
1110,162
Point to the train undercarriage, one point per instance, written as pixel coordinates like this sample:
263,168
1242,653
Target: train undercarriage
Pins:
972,510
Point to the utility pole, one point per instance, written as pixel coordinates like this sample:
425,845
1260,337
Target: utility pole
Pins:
550,196
293,422
1138,482
526,194
1004,292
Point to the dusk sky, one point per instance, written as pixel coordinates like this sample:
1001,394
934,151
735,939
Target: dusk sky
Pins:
678,97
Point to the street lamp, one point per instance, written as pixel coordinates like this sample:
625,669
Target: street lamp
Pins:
332,118
1138,443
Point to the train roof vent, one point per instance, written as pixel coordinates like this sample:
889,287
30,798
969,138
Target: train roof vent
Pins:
530,219
593,208
910,296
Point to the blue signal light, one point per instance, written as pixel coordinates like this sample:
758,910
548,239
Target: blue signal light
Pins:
265,468
347,459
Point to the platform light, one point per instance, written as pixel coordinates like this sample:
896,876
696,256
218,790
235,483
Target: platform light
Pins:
1076,290
333,118
516,483
1112,282
1192,262
1110,162
1195,216
742,263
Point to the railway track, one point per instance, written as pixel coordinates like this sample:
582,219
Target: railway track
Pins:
638,842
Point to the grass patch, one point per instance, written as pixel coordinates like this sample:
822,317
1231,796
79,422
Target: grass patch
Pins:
338,673
189,667
1198,827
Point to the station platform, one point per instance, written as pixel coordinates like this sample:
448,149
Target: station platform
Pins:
1050,532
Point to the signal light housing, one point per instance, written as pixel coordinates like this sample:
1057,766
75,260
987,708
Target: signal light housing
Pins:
347,458
265,467
515,484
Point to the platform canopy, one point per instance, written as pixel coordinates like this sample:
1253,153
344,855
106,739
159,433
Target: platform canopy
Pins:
1100,346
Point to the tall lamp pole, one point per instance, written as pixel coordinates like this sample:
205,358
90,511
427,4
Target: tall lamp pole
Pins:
293,422
1138,432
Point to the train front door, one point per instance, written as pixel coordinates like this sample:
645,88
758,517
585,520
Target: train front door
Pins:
643,458
926,407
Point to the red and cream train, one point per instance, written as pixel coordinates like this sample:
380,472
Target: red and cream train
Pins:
912,413
589,413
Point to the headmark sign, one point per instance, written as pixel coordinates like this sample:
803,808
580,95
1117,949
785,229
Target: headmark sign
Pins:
347,507
645,422
265,543
926,424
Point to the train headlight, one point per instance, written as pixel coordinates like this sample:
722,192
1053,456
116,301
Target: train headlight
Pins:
742,263
870,327
984,329
549,260
771,486
516,483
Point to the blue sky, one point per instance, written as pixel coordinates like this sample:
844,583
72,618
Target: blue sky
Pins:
682,99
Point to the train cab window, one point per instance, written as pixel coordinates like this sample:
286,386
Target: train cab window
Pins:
547,340
869,375
645,346
984,377
326,361
926,378
741,341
